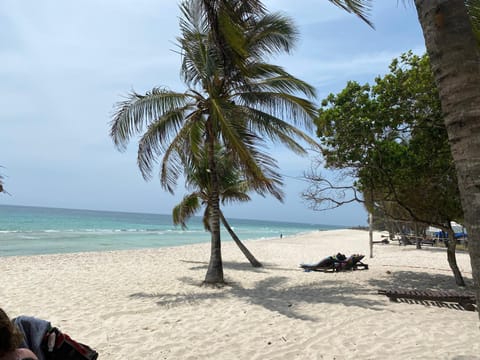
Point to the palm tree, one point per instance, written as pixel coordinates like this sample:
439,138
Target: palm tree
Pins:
452,37
234,106
232,188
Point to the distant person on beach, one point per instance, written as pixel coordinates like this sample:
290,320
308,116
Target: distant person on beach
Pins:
281,235
11,339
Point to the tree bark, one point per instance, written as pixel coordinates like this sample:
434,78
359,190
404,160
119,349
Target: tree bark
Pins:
418,239
455,60
243,248
214,274
391,229
452,259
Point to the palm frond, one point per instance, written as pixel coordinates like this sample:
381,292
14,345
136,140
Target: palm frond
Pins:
173,158
281,105
271,180
235,135
286,84
279,130
137,111
272,34
226,19
234,196
198,59
361,8
189,205
157,138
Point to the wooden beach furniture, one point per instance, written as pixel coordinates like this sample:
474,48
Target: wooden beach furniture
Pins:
353,262
333,264
466,301
326,264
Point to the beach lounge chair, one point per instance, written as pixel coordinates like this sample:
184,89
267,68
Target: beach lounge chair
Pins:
326,264
337,262
466,301
353,262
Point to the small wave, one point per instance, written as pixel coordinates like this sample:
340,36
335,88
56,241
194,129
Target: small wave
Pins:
179,231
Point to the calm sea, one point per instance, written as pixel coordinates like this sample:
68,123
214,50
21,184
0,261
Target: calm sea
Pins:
37,230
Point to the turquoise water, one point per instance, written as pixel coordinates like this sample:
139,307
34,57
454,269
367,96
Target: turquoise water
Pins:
36,230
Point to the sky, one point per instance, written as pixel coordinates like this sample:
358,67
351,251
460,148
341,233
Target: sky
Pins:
64,65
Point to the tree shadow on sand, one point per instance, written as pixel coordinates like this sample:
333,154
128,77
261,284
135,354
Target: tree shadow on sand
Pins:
239,266
242,266
402,279
422,281
273,295
434,249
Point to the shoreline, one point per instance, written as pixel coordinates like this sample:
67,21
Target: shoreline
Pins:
168,244
148,303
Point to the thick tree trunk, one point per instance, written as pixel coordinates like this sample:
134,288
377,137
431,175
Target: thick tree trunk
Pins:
452,259
455,60
214,274
391,229
418,239
215,267
243,248
391,233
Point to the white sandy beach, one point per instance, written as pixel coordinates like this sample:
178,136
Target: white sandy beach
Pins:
147,304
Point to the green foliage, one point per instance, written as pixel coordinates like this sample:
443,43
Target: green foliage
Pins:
391,137
473,8
232,186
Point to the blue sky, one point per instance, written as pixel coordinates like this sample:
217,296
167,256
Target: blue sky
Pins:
63,66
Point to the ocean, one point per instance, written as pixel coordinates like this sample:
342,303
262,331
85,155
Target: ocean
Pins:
28,230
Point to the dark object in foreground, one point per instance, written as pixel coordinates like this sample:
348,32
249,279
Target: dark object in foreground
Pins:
466,301
337,262
49,343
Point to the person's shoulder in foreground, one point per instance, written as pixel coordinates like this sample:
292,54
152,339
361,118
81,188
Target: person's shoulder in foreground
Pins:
10,340
19,354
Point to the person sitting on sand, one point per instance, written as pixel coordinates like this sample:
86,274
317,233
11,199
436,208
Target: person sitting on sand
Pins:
40,338
11,339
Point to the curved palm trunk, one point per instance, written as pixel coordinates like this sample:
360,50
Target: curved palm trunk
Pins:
243,248
455,58
215,267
